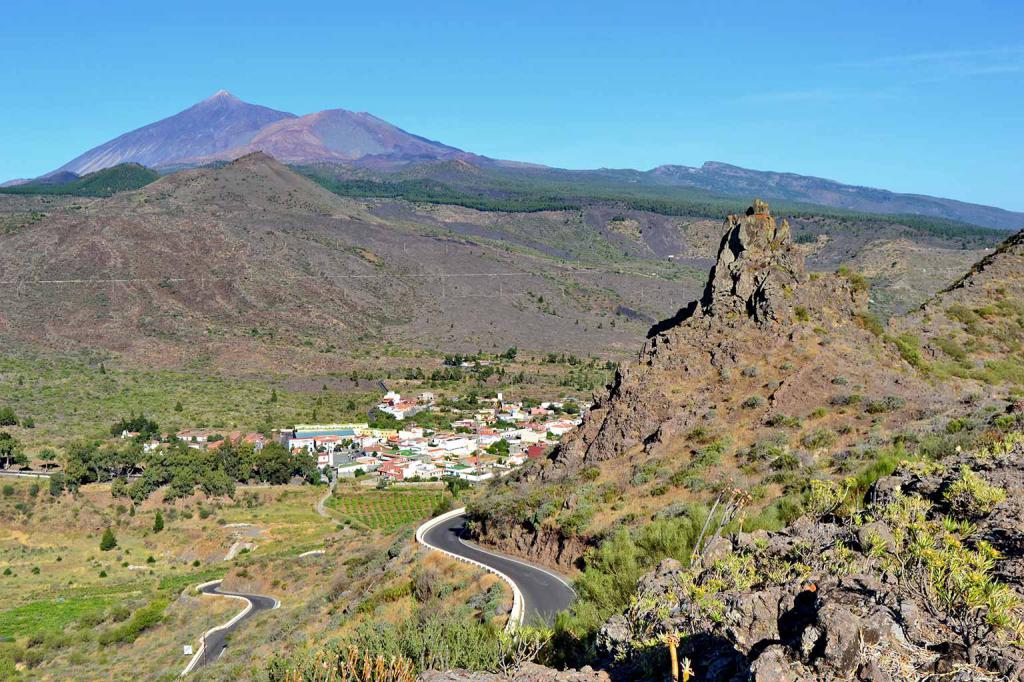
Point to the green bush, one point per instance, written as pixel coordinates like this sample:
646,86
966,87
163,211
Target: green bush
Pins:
972,497
143,619
767,449
108,541
858,282
908,346
819,438
950,347
887,404
8,417
782,420
871,323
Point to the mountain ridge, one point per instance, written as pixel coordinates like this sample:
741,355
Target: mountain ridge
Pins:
223,128
780,185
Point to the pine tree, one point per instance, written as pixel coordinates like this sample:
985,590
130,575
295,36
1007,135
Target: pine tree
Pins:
158,522
108,541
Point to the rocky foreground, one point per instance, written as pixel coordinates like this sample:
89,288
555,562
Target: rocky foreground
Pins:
923,582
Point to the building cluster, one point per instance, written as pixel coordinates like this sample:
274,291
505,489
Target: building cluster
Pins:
480,444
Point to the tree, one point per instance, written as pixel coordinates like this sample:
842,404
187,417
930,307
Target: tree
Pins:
273,395
119,488
10,451
56,484
158,522
108,541
499,448
146,428
8,417
178,407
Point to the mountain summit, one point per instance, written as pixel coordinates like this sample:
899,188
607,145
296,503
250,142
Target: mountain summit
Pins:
207,129
223,128
345,136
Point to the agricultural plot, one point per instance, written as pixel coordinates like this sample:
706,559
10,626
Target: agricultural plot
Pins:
385,510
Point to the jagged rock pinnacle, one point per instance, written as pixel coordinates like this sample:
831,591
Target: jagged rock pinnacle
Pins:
756,263
756,260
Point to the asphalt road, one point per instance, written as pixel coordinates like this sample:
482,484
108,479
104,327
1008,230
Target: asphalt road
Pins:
544,592
216,641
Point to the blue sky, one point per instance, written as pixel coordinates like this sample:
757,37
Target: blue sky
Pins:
921,97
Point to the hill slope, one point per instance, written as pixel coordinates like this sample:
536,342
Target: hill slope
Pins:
102,183
974,329
250,260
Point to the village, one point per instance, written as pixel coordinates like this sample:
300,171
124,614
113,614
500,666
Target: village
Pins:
490,440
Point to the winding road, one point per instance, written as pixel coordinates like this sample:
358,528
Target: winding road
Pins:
215,640
544,592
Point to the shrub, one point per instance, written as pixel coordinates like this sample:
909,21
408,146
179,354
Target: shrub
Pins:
826,497
950,347
908,346
971,497
351,664
784,421
858,282
817,439
119,488
143,619
752,402
787,461
871,323
801,313
108,541
889,403
965,316
643,474
767,448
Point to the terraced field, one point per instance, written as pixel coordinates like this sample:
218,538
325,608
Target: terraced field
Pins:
385,510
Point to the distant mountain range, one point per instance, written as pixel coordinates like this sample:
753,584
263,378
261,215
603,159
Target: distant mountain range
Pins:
723,178
223,128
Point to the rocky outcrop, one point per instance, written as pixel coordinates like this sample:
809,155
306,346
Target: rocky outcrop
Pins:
757,262
759,307
542,545
851,610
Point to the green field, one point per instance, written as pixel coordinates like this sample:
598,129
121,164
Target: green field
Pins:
385,510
